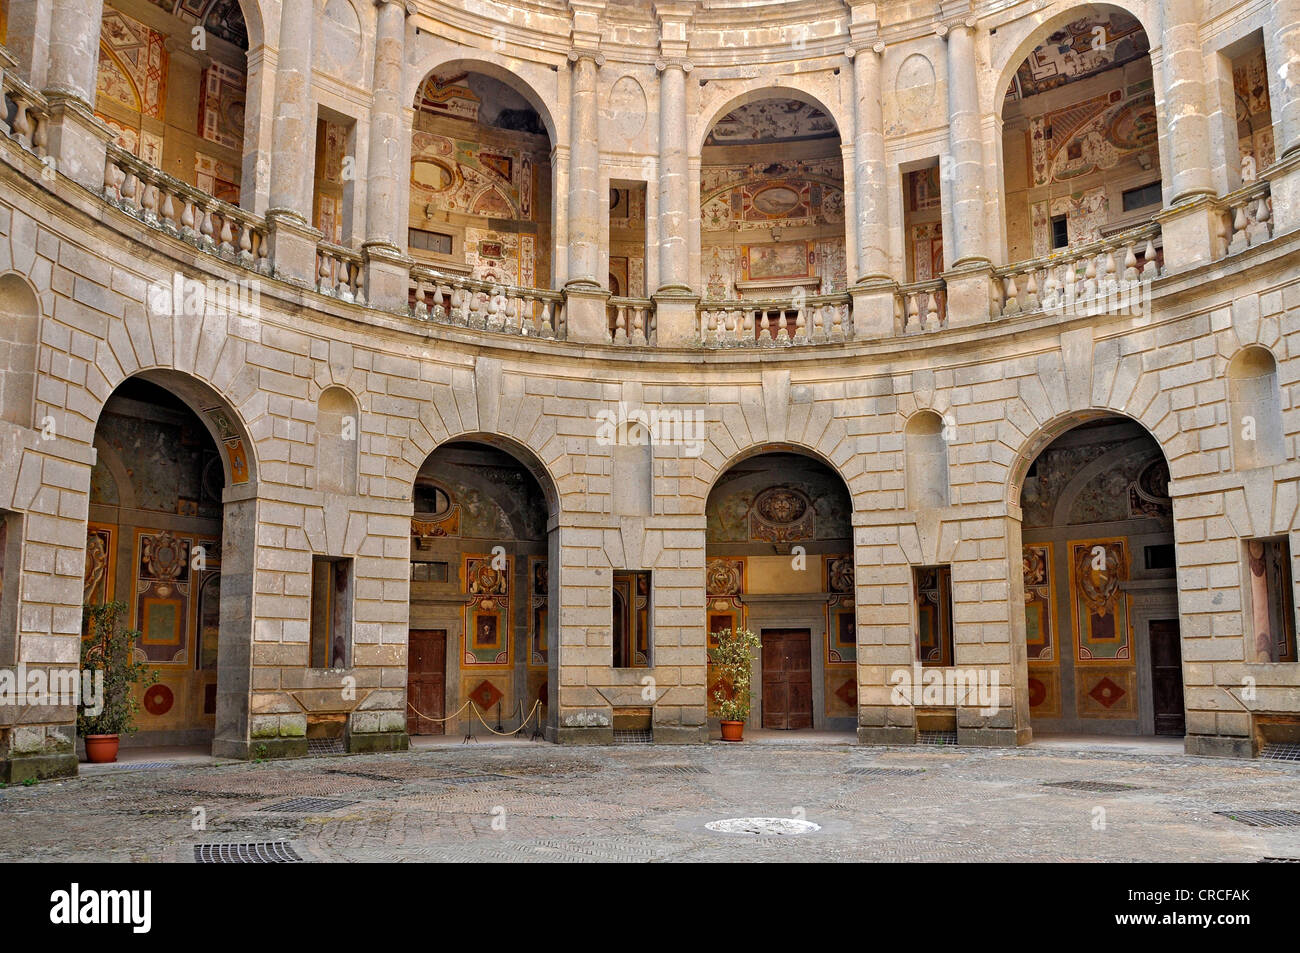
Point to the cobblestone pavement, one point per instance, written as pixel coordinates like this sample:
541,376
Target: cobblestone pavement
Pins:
643,803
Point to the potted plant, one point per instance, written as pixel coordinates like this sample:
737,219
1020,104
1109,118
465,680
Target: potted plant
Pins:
733,661
108,653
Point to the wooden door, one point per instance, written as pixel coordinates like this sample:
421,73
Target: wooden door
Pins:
787,678
1167,677
426,682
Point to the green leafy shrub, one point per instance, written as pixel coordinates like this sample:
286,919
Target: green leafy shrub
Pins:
109,649
733,663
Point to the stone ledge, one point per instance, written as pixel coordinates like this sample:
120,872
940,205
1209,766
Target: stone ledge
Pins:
1218,746
39,767
891,735
376,741
681,734
267,749
993,737
583,736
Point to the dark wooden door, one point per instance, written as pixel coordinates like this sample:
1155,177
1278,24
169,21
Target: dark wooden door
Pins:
1167,677
787,678
426,681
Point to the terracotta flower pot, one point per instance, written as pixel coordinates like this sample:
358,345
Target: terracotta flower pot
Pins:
733,730
101,749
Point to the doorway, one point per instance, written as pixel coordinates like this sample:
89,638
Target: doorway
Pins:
787,678
1167,677
426,682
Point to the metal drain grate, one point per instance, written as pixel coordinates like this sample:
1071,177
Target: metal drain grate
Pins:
249,852
1277,818
1287,752
1279,860
634,737
671,769
885,772
1093,787
936,737
307,805
317,746
142,765
472,779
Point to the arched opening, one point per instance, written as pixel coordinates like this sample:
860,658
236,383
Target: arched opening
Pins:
338,435
1101,596
159,540
481,178
480,630
20,330
779,561
171,86
1255,409
926,452
772,208
1079,134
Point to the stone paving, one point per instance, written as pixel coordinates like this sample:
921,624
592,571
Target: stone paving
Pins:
539,802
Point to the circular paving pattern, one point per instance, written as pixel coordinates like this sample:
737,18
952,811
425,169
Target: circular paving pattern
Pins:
780,826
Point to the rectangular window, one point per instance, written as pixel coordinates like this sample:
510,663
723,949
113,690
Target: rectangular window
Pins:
429,572
1142,197
331,612
631,619
1272,600
933,588
1060,232
436,242
1160,556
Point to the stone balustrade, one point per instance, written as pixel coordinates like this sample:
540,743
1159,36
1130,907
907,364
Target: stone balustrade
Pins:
185,212
922,306
1247,218
467,302
813,319
25,114
631,321
338,272
1109,275
1113,274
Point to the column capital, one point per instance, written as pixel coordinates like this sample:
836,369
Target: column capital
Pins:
945,30
665,65
852,52
408,6
577,55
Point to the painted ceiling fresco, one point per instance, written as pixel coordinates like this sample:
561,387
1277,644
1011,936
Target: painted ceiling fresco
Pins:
1131,482
772,120
789,499
758,195
1081,48
472,97
222,18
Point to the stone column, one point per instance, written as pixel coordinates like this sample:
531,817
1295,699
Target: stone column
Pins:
675,302
293,136
873,288
388,268
77,140
585,294
1188,224
1282,51
28,39
968,279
